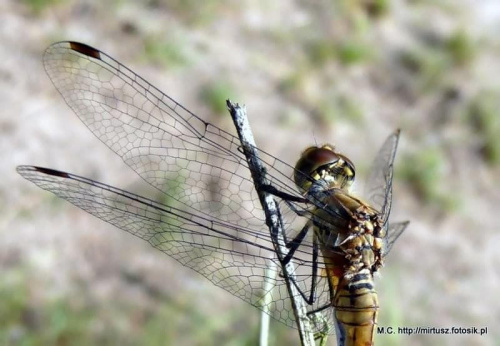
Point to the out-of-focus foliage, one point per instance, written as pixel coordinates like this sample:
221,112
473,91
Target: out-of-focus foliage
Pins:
347,53
30,319
215,96
37,6
424,172
52,321
169,54
460,47
484,118
193,12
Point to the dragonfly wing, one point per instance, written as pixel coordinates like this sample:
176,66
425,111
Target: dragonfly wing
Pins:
234,258
199,167
378,189
193,162
393,232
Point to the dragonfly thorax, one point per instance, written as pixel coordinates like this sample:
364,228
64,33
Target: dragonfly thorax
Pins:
323,163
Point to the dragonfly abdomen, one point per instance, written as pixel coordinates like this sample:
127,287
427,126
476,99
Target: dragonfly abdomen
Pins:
356,307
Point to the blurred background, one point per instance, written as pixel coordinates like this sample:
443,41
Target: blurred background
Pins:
342,72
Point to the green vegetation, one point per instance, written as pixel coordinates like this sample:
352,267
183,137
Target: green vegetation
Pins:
325,109
293,83
193,12
484,118
428,66
350,52
350,110
326,113
424,171
339,108
460,48
353,52
215,96
377,8
321,51
169,54
31,317
434,60
51,322
37,6
391,315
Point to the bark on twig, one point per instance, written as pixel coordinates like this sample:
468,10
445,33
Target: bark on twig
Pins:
271,211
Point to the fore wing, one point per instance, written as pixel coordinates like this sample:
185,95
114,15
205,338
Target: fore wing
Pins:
191,161
378,189
198,166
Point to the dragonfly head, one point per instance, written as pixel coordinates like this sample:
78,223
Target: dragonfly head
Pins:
323,163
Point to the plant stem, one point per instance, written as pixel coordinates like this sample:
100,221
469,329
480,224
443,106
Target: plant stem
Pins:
272,213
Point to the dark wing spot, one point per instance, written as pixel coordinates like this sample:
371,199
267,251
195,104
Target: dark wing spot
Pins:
50,171
86,50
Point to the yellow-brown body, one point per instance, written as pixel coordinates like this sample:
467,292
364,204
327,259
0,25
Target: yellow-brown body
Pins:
350,234
350,264
356,308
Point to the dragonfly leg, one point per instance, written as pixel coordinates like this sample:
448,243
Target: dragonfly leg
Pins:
294,245
322,329
324,307
315,311
283,195
297,211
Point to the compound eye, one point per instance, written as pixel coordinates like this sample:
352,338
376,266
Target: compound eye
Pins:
310,163
349,164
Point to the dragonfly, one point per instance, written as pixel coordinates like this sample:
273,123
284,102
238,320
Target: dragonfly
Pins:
210,218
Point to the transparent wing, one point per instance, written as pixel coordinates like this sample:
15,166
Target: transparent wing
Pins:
378,189
234,258
192,161
393,232
196,164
